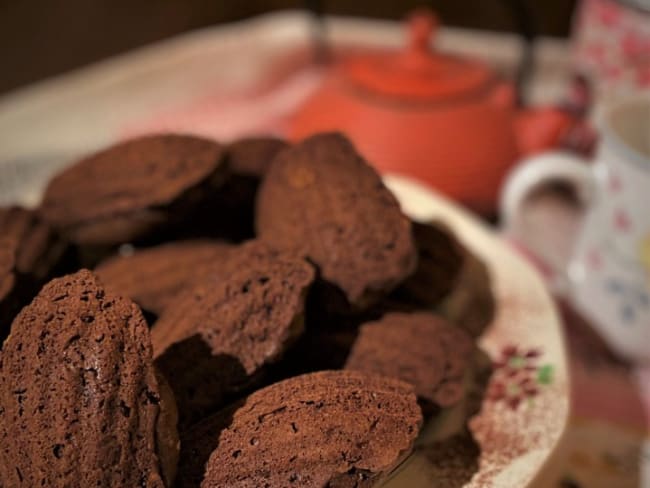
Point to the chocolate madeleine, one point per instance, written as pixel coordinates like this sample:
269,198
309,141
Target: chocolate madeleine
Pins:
133,188
322,199
418,348
331,428
214,340
80,404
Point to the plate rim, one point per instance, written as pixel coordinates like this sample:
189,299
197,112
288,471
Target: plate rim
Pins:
421,202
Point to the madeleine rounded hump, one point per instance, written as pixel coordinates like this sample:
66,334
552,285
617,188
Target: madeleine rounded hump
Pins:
258,284
129,182
419,348
319,428
79,399
322,198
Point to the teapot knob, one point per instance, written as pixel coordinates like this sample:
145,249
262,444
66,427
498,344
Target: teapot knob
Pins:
422,24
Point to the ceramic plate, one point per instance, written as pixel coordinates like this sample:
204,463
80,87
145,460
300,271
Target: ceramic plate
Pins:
526,408
525,411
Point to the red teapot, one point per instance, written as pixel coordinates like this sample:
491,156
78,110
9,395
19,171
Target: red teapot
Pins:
449,121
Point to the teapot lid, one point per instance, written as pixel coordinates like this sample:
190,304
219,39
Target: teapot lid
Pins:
417,72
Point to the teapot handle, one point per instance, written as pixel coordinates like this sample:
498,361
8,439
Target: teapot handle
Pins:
541,128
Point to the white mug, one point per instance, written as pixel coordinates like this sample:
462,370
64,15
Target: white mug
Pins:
608,277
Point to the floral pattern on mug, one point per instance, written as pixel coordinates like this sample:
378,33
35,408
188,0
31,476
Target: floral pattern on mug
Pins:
631,299
611,42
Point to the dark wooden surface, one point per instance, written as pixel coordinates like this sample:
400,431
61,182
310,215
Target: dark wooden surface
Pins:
41,38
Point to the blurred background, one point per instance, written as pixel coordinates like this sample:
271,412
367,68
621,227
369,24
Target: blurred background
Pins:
41,38
497,104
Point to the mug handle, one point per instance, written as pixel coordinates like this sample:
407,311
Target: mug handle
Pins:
542,169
